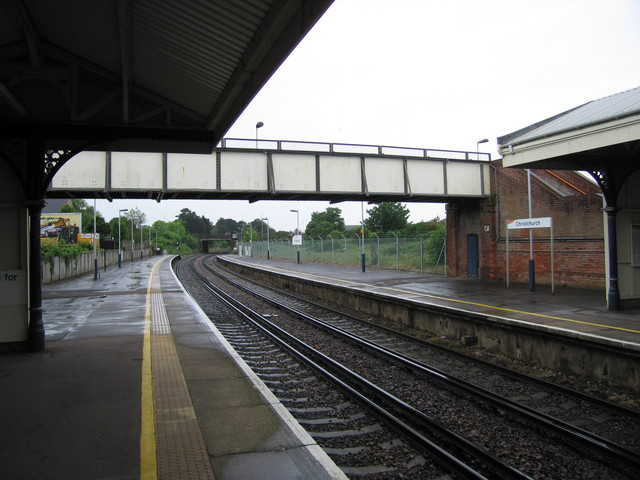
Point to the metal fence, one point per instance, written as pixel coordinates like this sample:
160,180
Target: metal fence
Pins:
420,253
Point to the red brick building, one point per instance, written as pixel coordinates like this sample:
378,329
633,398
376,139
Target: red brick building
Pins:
477,229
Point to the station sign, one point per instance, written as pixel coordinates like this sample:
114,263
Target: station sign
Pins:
13,287
543,222
296,240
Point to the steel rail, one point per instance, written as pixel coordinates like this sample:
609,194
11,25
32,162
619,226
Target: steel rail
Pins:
327,366
568,431
599,402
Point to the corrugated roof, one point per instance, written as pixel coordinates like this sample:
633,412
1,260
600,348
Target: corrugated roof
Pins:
592,113
191,64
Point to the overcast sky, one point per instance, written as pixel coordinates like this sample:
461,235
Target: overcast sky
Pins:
431,74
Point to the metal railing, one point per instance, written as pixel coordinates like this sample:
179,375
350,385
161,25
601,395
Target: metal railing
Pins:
419,253
349,149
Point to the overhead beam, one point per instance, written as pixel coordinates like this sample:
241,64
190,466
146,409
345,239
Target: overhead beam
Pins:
13,102
30,30
126,64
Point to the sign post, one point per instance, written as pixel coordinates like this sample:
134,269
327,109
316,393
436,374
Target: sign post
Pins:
297,240
530,223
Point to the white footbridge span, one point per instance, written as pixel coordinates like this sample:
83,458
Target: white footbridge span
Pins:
278,170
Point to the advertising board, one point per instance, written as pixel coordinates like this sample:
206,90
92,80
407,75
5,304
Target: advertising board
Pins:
52,224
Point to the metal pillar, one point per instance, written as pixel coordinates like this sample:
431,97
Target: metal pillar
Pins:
613,297
610,188
35,203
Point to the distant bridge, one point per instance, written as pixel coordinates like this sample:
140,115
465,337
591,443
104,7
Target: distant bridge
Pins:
206,241
278,170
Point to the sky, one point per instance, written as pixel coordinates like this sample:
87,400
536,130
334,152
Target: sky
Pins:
427,74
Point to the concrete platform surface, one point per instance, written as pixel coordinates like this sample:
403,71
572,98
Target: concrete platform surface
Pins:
136,383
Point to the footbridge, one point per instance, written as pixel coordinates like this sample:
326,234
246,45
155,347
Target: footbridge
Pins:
278,170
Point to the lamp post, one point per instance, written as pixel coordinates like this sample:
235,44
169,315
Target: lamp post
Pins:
119,248
95,248
268,251
484,140
258,125
132,241
532,262
297,232
362,255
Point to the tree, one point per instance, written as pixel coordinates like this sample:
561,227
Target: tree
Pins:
172,237
426,228
249,233
193,224
78,205
387,217
74,205
226,226
102,227
325,223
138,216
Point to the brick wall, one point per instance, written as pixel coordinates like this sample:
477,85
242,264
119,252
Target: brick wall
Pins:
572,201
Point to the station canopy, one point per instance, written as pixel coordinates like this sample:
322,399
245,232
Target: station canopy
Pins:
599,135
144,75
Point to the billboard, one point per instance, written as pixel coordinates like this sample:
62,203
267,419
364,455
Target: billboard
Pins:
53,224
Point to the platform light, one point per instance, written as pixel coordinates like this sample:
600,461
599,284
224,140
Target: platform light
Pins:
119,248
258,125
484,140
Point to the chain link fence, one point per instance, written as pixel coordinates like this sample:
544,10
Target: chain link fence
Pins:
419,253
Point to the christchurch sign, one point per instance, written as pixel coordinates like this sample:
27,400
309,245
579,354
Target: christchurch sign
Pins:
543,222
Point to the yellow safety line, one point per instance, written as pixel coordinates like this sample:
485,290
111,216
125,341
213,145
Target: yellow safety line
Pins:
542,315
148,463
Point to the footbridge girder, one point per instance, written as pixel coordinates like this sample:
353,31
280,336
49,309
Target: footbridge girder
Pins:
278,170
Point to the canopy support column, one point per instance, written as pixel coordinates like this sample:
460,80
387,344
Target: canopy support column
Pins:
35,203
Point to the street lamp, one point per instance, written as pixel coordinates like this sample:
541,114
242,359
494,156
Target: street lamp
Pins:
132,241
297,231
258,125
119,248
268,251
484,140
95,248
362,255
532,262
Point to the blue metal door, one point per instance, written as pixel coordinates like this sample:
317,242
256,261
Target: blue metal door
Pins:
473,256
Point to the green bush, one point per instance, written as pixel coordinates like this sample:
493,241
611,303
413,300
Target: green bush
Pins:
66,252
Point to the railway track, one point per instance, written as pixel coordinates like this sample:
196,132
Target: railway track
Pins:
492,434
598,417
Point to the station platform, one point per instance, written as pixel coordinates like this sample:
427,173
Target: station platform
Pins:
579,312
135,383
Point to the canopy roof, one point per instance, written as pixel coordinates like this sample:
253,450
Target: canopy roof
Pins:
592,136
141,75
